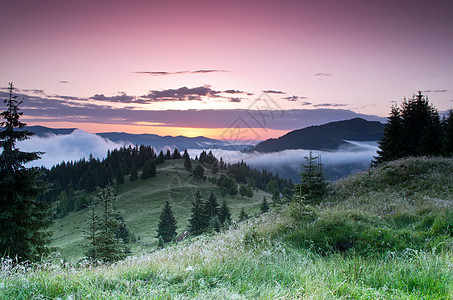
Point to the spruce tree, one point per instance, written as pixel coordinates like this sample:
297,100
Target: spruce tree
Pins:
313,184
187,162
212,206
146,172
167,224
243,215
243,191
134,173
23,220
152,169
264,205
176,154
390,146
447,144
198,220
108,245
224,213
198,172
161,157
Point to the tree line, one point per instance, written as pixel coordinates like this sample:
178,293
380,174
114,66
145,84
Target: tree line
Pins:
88,174
416,129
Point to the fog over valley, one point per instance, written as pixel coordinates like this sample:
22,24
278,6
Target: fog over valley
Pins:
80,144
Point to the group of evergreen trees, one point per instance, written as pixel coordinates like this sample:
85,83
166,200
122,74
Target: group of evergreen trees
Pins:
206,216
68,177
416,129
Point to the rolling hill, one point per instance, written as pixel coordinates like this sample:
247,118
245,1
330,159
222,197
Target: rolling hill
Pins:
140,203
381,234
330,136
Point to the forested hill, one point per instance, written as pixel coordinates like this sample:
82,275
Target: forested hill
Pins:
329,136
42,131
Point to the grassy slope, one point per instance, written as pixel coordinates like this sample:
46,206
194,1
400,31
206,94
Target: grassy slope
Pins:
257,260
141,202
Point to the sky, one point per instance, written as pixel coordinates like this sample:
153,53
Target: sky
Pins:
222,69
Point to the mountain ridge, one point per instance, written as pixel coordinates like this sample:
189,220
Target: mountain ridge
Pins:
157,141
327,137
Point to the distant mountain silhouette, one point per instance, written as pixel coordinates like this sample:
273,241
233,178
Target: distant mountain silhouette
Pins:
42,131
180,142
157,141
329,136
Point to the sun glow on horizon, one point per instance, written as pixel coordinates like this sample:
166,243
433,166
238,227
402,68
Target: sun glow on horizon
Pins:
250,135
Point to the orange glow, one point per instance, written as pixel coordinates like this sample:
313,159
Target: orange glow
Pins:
243,134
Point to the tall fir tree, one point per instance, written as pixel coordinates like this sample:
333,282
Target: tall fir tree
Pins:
390,146
166,228
313,183
447,144
104,242
134,173
264,205
23,220
212,206
198,220
187,162
224,213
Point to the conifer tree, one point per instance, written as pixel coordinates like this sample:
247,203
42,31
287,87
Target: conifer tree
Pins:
198,172
161,157
152,169
243,191
23,220
176,154
224,213
390,145
264,205
91,232
187,162
249,192
198,220
134,173
313,184
168,154
108,246
212,206
447,144
167,224
243,215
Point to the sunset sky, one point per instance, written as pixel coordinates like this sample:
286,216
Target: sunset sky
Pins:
211,67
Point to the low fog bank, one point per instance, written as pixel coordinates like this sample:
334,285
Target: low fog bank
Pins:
336,164
80,144
75,146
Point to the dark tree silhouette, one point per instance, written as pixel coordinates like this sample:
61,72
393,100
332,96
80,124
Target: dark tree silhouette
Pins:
390,145
167,224
23,219
198,220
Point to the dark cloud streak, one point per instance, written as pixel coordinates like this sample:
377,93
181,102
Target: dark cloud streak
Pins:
163,73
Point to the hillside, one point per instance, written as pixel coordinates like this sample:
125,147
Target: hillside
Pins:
329,136
141,202
381,234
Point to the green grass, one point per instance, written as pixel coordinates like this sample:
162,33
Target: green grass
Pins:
259,259
141,202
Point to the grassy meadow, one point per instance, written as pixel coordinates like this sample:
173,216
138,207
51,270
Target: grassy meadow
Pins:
140,203
386,233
